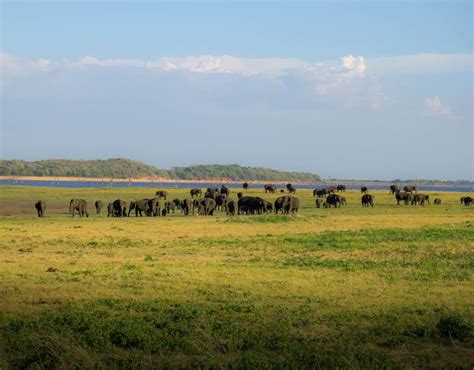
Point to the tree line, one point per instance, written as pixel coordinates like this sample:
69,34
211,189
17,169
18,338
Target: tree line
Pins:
121,168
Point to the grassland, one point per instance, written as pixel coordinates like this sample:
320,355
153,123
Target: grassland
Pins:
384,287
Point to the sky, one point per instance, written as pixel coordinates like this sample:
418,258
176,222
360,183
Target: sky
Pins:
344,89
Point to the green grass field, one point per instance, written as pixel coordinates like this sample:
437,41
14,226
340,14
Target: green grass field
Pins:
383,287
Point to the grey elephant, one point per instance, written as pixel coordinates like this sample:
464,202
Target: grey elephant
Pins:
79,205
291,205
207,206
40,208
98,206
394,189
195,192
364,190
170,206
409,188
367,200
225,190
120,208
230,207
334,200
110,210
437,201
270,188
161,194
140,206
186,206
291,189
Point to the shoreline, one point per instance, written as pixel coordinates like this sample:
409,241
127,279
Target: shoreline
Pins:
214,181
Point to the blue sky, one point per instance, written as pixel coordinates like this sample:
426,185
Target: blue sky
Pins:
344,89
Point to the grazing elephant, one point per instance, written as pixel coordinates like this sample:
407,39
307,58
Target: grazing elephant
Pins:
318,203
207,206
364,190
331,189
291,189
467,201
225,190
394,189
437,201
140,206
79,205
333,200
409,188
230,207
270,188
170,206
279,204
178,203
420,199
98,206
367,200
120,208
245,185
291,205
320,193
186,206
110,210
249,205
341,188
406,197
220,201
161,194
195,193
40,208
267,206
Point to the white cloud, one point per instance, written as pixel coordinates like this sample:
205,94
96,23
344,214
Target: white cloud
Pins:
436,108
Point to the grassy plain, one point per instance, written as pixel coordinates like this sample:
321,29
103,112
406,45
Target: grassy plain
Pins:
383,287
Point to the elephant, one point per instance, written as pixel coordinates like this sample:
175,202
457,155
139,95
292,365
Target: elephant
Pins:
207,206
326,205
367,200
120,208
270,188
364,190
164,212
467,201
196,203
178,203
195,192
220,201
331,189
212,191
79,205
161,194
318,203
98,206
420,199
170,206
230,207
341,188
240,194
279,204
154,207
291,189
40,208
343,201
267,206
225,190
140,206
245,185
333,200
409,189
321,193
291,205
110,210
249,205
210,194
394,189
406,197
437,201
186,206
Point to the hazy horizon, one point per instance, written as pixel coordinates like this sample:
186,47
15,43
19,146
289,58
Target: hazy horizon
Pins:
344,90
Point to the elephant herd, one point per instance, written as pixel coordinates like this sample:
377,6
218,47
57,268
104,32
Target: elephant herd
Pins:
218,199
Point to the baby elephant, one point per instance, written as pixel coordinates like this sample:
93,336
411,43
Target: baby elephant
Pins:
40,207
437,201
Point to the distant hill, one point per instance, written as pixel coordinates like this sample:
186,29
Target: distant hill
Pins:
121,168
236,173
110,168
